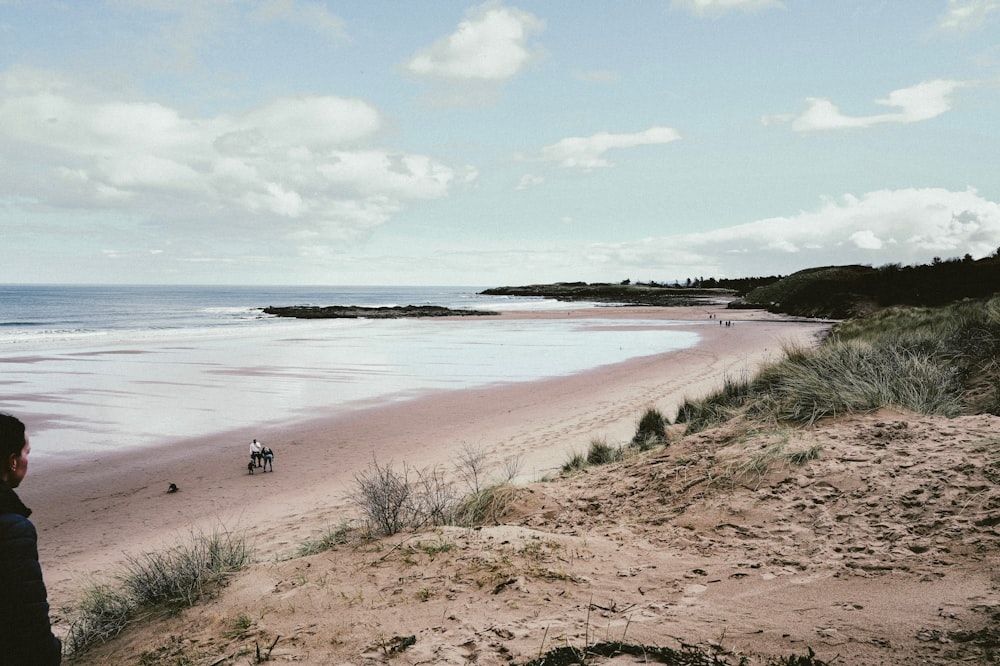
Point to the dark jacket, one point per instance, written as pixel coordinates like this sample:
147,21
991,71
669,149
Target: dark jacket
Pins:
26,637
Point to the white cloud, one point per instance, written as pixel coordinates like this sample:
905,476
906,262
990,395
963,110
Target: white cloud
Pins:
908,226
491,44
312,15
374,172
866,240
715,8
528,181
588,151
967,15
923,101
305,159
314,122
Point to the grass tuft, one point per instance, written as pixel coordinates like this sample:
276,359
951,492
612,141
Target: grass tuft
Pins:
718,407
101,614
575,462
487,506
651,430
602,453
799,458
688,655
170,579
182,574
328,540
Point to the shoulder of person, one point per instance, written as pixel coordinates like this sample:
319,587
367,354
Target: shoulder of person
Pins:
18,537
10,503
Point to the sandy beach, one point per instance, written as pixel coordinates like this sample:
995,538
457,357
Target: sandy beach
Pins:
882,549
89,514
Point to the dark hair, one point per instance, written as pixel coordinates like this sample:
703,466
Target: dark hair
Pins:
11,435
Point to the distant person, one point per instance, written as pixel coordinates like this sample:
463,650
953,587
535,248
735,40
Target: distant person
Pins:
24,607
256,454
268,458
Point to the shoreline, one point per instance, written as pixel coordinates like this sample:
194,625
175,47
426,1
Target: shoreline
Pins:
88,518
150,390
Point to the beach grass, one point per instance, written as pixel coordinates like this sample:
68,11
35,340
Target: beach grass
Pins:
487,505
935,361
716,408
168,580
687,655
650,431
599,452
102,613
602,453
328,540
751,457
575,462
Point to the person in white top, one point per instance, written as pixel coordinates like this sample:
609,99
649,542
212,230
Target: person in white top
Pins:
256,454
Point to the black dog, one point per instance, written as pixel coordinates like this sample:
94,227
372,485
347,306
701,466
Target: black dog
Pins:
250,467
172,488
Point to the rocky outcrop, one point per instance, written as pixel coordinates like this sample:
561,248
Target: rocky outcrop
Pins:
359,312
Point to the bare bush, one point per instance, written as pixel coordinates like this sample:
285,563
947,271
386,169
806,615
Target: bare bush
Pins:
392,500
383,494
435,497
471,466
512,467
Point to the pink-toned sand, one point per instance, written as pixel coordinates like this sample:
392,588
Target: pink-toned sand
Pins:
884,549
90,514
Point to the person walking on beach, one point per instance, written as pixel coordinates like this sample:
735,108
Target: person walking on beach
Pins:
24,607
255,452
268,458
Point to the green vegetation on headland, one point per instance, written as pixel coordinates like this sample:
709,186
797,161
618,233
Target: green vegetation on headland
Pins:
624,293
840,292
831,292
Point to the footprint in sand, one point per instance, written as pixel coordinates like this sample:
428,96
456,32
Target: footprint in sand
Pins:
690,592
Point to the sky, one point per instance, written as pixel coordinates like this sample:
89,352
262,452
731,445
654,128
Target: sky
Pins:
498,143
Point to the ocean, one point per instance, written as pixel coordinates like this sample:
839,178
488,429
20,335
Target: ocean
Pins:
107,368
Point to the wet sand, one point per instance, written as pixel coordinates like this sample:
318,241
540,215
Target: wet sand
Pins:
91,513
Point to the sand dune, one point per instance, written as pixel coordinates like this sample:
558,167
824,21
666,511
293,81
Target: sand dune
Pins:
882,550
91,512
